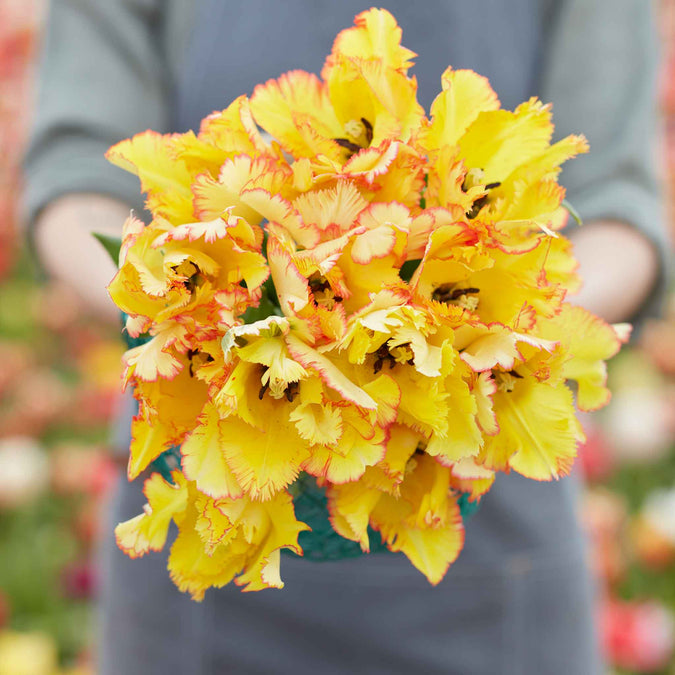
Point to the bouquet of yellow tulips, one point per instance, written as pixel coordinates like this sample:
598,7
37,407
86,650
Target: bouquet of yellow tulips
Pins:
364,298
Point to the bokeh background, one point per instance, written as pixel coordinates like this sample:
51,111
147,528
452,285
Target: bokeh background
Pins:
59,382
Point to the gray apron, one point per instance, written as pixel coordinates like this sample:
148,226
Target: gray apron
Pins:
519,599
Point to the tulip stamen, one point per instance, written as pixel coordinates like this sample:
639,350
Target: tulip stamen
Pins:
462,297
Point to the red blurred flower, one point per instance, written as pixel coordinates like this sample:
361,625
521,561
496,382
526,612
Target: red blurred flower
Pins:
595,455
92,407
78,581
19,24
637,636
4,610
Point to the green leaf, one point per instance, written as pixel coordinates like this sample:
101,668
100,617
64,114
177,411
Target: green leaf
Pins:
262,311
408,269
572,211
110,244
269,304
423,199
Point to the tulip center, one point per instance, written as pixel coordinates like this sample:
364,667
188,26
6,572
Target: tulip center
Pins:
474,178
197,359
506,382
189,275
323,292
461,297
399,354
358,135
277,388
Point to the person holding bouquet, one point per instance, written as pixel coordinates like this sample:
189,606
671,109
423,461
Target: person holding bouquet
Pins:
519,598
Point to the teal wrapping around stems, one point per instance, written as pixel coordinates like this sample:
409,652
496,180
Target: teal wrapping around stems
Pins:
322,543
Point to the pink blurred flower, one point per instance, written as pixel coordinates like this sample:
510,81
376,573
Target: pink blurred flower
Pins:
78,581
595,455
92,407
19,24
38,400
79,468
637,636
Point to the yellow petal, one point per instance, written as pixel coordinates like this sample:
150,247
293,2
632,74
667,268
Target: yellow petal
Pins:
369,165
147,532
446,181
451,254
463,437
149,439
431,551
215,525
350,506
318,424
279,105
263,566
483,389
424,523
203,459
386,394
348,461
465,95
291,286
192,569
424,406
499,141
233,130
537,278
156,358
266,460
168,409
539,433
167,181
215,197
546,166
590,342
281,370
332,211
498,346
375,35
328,372
401,446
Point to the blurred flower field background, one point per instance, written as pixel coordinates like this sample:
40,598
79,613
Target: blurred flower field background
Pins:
59,382
629,462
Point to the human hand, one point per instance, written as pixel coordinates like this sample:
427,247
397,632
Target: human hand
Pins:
619,267
69,252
